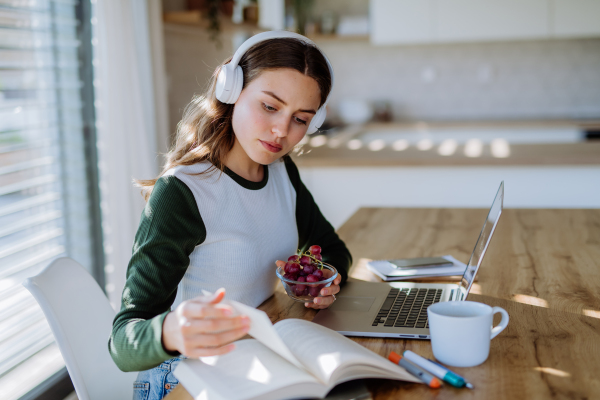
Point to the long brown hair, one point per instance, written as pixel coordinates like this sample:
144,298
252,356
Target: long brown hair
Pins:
205,132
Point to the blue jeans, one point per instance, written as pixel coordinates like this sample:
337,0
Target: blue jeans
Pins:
156,383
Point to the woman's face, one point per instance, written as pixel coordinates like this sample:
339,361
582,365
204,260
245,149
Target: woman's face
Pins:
273,112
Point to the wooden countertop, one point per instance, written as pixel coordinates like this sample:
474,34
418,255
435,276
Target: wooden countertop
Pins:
584,153
542,266
552,255
576,153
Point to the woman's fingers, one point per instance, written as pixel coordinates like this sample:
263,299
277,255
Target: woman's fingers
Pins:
195,310
328,291
326,296
215,339
320,302
217,296
213,325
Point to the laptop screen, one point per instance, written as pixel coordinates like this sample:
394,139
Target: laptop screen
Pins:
482,243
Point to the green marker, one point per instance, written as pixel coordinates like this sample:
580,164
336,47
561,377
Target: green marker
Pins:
437,370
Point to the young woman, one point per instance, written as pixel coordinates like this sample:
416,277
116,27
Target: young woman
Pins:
228,206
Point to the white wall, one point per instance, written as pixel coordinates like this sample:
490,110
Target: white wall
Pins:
339,192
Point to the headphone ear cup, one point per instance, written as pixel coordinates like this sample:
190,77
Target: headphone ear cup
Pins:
317,120
229,84
223,84
237,85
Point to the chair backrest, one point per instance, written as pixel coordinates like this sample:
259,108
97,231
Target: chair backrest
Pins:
80,317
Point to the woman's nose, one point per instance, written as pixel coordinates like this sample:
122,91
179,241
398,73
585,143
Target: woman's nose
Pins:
280,128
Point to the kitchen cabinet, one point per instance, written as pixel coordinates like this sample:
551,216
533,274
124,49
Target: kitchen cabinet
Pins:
271,14
447,21
575,18
401,21
474,20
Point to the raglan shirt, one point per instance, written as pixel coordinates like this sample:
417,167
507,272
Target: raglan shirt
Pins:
171,228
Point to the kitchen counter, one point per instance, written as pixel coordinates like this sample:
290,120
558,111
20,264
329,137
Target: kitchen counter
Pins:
447,144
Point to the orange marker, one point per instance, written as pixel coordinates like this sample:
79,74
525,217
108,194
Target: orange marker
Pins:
424,376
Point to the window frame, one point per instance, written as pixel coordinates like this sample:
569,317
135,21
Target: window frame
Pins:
59,385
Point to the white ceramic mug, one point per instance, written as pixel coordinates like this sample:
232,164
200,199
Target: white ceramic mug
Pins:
461,331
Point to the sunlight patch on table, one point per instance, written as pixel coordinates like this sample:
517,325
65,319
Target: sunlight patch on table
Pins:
476,289
318,141
552,371
400,145
354,144
532,301
591,313
376,145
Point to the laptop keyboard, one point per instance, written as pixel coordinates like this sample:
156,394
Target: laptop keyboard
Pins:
407,308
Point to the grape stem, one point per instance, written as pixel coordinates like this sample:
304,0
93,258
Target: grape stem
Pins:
307,253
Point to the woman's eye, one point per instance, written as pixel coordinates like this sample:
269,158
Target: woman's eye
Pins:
269,108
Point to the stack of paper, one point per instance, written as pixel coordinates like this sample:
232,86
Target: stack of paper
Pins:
390,272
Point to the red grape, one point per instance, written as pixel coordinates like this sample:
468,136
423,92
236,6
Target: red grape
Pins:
309,269
305,268
294,269
301,289
288,266
305,260
291,277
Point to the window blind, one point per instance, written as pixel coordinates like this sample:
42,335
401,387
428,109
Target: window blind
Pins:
44,202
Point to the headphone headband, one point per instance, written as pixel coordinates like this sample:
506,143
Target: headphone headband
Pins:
231,78
244,47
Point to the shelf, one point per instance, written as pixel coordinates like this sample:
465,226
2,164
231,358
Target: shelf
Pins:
194,21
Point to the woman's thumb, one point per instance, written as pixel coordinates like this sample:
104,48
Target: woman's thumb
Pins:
217,296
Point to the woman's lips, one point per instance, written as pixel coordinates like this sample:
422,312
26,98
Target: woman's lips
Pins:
272,147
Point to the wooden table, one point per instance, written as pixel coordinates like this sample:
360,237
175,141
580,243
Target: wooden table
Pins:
542,266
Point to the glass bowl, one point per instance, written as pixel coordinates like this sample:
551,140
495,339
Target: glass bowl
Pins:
305,291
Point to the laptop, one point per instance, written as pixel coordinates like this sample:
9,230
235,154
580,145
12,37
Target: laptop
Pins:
399,309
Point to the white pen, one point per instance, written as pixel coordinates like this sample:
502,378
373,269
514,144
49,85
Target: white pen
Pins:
437,370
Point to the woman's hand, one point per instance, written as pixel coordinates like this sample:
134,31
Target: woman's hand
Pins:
202,327
327,295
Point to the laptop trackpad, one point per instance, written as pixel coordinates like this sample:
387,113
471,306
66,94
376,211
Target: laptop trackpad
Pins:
352,303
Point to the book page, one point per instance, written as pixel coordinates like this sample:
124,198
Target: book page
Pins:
262,329
326,353
250,371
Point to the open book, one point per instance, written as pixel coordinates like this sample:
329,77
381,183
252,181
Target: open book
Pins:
289,360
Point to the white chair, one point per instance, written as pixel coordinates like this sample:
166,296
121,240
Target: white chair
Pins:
80,317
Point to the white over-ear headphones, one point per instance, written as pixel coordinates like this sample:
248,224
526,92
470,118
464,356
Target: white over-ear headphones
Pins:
231,77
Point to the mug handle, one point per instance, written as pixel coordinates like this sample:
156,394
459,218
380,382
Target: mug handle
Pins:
503,322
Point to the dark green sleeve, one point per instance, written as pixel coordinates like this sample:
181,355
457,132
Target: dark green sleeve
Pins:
313,228
170,228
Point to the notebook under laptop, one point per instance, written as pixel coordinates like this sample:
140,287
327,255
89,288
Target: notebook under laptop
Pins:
399,309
